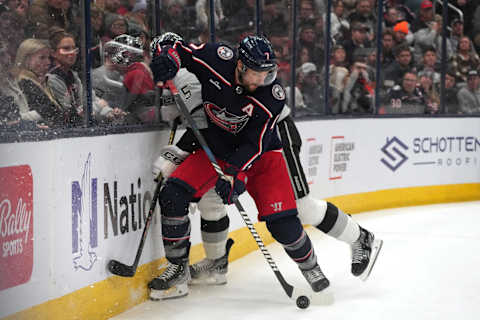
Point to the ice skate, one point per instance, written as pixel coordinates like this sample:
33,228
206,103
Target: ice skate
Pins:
364,254
211,271
316,278
172,283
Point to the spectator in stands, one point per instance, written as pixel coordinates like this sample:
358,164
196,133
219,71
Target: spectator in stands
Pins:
44,14
307,12
391,17
400,32
112,6
62,82
358,40
14,111
137,16
179,18
431,36
395,71
364,14
405,98
359,90
202,12
115,25
65,84
451,92
468,8
424,17
12,31
464,60
307,39
126,6
429,90
97,17
469,96
308,83
339,25
338,72
387,47
456,33
274,16
429,63
279,38
32,63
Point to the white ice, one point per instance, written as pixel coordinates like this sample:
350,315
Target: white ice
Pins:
429,268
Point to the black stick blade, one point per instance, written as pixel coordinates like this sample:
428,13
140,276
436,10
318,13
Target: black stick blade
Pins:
120,269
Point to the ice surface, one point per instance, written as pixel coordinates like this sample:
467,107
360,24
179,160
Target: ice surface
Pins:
428,269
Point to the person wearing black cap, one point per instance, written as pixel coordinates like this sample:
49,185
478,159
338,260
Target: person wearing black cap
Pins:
469,96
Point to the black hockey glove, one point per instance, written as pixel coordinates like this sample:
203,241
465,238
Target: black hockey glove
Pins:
232,186
165,64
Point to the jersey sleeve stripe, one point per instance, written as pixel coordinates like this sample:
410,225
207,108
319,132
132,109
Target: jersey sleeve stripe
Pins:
274,122
261,106
212,70
260,147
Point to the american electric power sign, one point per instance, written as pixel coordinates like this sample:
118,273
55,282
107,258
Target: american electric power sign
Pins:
437,151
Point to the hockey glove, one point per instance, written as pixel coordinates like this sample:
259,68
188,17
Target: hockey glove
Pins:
165,64
233,185
169,159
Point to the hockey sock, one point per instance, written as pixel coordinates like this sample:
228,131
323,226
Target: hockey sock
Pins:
174,201
339,225
289,232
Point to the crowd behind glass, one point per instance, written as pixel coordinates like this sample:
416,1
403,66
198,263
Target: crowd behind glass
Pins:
41,65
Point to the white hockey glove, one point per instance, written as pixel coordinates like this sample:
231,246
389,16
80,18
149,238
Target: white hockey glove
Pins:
169,159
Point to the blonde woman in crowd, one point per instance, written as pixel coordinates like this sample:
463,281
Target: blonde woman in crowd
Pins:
31,66
14,106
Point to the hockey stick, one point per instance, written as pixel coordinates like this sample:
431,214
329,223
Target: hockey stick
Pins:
121,269
289,289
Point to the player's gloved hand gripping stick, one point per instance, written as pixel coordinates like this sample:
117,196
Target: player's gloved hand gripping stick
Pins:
301,299
121,269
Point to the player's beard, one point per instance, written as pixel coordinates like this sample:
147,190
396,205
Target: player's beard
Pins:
249,87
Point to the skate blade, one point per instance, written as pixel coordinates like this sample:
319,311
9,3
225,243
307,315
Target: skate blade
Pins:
376,247
213,280
174,292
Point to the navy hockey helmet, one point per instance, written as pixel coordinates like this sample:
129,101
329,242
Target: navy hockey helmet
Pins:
124,49
167,38
257,53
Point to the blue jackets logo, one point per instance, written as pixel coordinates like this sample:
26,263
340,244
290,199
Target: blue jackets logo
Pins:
84,219
394,150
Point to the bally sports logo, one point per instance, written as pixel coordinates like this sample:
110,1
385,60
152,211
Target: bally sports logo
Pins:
16,225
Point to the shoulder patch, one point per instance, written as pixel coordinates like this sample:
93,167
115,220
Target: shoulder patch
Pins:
278,92
225,53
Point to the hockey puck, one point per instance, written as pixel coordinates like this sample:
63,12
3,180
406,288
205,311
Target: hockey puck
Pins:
303,302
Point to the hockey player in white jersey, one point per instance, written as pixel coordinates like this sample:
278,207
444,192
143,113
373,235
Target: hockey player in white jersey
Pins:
321,214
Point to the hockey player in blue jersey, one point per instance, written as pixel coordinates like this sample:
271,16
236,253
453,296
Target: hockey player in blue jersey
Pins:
243,101
325,216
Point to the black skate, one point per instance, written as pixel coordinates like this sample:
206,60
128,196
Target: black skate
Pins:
211,271
364,254
316,278
172,283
